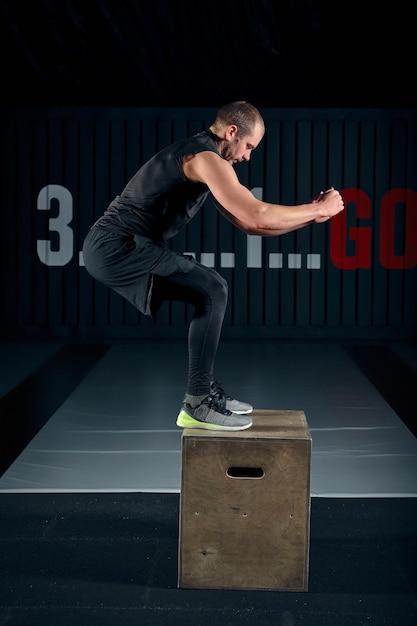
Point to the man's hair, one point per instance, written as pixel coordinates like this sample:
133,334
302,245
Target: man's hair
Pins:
241,113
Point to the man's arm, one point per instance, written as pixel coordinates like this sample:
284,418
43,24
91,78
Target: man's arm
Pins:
262,232
255,217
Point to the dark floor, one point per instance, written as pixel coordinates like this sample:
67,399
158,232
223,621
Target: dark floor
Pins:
84,559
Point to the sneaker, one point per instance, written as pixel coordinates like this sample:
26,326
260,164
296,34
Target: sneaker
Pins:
236,406
212,414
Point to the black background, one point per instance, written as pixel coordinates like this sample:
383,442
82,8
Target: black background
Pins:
301,53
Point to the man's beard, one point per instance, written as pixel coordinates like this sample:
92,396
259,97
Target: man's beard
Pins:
227,151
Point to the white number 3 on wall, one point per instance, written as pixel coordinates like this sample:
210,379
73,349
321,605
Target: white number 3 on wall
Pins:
59,224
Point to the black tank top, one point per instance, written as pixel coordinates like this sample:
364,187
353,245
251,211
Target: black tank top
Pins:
159,201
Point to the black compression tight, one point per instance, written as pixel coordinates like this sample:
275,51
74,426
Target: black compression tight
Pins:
207,291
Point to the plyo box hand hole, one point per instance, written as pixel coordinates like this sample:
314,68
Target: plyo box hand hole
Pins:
254,473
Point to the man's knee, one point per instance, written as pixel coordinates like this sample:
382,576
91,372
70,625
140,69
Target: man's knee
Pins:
222,290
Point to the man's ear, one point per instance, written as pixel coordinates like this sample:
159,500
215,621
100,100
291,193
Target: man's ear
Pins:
231,131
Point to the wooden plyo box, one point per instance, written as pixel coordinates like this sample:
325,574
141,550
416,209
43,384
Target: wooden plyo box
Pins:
245,505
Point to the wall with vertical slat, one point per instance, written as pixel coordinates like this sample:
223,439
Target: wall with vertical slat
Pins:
353,277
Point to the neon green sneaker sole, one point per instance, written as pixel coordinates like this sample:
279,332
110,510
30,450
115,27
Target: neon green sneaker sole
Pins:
186,421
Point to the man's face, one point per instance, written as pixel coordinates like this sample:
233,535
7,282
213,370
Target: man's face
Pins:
239,149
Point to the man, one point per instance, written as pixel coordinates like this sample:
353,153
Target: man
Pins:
126,249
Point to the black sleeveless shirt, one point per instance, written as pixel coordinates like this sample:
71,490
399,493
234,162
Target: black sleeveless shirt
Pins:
159,201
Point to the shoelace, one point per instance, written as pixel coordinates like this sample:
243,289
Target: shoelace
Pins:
216,387
217,402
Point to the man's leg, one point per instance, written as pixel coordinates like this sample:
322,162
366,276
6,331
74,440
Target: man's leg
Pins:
207,292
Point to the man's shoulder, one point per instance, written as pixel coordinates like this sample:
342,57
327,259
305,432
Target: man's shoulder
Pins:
199,142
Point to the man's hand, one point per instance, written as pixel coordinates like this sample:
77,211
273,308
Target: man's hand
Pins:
332,204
